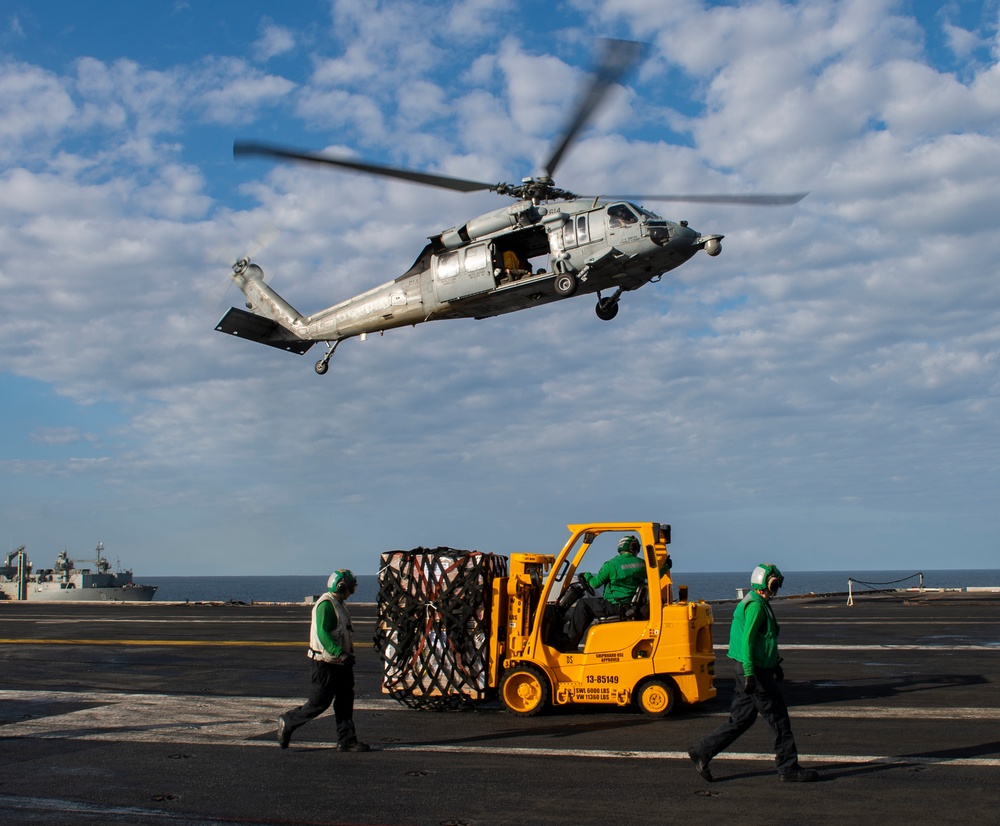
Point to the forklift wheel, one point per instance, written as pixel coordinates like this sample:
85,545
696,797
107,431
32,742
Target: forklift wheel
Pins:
525,691
657,697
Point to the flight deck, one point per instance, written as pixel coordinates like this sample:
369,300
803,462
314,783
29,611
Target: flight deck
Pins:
163,713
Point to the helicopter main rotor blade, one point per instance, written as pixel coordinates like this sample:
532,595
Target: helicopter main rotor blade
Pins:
241,148
747,200
619,56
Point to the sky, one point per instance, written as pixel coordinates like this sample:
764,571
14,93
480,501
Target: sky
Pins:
823,395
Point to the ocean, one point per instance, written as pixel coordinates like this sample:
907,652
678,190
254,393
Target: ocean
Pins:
707,586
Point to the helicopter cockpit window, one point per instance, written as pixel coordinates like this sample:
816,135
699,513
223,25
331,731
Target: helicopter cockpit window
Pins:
447,266
620,215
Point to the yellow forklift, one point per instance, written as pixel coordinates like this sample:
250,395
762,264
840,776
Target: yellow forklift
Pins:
657,653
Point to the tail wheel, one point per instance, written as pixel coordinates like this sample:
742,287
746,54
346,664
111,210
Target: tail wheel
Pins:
657,697
525,691
607,309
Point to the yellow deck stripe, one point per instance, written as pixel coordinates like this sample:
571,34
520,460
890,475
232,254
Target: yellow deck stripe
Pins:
208,643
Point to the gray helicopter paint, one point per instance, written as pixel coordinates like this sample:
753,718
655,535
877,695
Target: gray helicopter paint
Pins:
588,250
608,258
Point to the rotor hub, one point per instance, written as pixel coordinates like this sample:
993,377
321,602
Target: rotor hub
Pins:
537,190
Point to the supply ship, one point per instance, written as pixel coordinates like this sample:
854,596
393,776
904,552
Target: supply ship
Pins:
67,583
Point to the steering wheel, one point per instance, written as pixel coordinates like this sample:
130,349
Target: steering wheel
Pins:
586,585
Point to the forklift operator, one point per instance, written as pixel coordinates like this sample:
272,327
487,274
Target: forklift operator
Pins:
621,578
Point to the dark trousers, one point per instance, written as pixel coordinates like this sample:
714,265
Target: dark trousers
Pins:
767,701
585,611
331,683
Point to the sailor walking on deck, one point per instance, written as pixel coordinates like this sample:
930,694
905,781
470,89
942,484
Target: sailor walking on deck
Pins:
332,653
753,644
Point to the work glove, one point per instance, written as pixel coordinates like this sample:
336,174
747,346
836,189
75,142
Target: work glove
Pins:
750,686
349,660
779,673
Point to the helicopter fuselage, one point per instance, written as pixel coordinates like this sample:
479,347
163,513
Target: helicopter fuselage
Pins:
549,245
510,259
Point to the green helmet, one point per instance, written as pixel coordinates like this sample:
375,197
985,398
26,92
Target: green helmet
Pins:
342,580
628,545
766,577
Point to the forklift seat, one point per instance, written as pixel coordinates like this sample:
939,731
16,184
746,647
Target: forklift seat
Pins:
637,609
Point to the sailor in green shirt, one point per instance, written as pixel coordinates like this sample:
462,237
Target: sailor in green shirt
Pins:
620,577
331,651
753,646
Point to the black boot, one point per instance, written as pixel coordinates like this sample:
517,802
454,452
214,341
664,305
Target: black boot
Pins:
797,774
284,732
700,763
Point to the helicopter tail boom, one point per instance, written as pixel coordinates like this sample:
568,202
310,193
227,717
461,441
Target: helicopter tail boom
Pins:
272,320
253,327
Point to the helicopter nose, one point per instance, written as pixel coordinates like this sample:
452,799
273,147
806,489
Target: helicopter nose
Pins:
660,235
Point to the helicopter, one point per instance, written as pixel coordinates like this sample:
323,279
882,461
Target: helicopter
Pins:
549,245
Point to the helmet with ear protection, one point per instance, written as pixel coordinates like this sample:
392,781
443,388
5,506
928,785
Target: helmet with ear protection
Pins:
629,545
343,581
766,576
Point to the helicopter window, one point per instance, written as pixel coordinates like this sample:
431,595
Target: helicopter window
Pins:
569,235
595,224
581,229
620,215
475,258
447,266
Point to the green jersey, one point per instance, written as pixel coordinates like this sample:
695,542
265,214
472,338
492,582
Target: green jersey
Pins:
621,577
753,636
330,629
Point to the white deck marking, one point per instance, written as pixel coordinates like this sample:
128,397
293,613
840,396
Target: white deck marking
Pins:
843,759
250,721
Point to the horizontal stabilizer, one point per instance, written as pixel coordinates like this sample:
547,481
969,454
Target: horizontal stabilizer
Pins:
262,330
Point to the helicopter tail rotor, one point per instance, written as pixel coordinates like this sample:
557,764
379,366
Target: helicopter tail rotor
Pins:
271,320
265,236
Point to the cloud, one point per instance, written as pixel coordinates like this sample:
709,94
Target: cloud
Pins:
60,436
36,103
273,41
834,368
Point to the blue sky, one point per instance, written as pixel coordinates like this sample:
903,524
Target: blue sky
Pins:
823,394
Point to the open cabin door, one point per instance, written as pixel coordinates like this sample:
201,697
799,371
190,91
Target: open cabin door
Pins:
462,273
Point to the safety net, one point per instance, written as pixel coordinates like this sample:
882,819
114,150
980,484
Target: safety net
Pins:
433,626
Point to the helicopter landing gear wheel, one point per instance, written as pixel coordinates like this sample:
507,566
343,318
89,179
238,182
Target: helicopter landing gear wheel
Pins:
525,691
565,284
606,309
323,364
657,697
